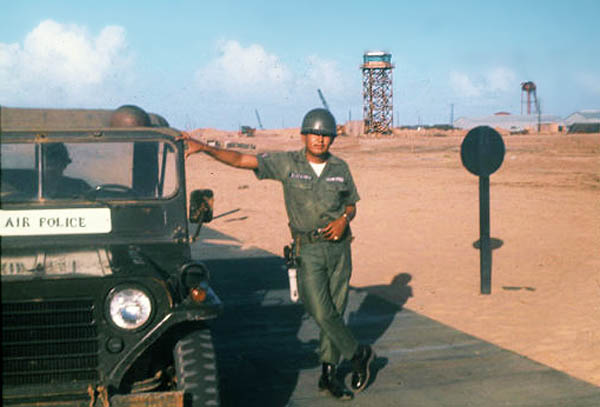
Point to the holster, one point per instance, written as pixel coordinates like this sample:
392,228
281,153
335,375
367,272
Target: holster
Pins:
290,254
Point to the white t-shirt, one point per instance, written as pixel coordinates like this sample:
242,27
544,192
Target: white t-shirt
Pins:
318,167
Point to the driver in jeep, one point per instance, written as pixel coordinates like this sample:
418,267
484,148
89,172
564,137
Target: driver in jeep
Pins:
57,185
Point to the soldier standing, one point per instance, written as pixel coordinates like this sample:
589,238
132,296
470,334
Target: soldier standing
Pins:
320,198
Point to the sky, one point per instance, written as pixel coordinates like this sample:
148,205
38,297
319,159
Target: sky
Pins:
219,63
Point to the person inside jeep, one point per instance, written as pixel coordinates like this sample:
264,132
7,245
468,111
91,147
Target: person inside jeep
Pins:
56,185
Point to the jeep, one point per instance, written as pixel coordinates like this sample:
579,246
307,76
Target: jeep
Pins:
102,303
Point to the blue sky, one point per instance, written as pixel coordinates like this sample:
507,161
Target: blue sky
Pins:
212,64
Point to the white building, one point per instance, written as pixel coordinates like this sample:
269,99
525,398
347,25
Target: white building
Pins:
509,122
584,116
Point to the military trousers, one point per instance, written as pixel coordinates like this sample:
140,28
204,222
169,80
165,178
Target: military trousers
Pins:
324,270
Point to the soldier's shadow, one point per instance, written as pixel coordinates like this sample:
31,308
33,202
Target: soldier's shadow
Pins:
259,353
378,309
261,348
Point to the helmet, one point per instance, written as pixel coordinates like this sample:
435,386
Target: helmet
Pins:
130,116
319,121
57,153
157,120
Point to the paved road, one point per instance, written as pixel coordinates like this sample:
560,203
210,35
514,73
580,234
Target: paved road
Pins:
266,351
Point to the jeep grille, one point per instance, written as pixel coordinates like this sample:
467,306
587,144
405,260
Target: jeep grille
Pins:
49,342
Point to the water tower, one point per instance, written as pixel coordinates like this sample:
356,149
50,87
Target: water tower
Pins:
529,89
377,92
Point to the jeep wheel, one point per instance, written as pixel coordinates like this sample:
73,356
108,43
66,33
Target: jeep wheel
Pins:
196,369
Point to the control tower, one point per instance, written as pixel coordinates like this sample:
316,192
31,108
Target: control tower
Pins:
377,92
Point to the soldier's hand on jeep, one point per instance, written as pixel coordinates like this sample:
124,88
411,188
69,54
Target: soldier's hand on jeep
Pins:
335,229
193,145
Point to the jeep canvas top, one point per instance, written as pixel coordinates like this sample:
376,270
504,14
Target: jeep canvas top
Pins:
102,303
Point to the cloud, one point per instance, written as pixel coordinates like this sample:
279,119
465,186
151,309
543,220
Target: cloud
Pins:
324,74
500,80
463,85
252,74
244,72
496,81
61,64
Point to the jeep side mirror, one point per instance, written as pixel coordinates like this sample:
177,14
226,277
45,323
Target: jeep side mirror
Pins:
201,209
201,206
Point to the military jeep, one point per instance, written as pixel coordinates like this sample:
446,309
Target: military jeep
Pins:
102,303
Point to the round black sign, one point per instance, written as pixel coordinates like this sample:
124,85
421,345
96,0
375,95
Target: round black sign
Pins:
482,151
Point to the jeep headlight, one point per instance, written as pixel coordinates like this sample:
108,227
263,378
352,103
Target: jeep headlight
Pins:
129,308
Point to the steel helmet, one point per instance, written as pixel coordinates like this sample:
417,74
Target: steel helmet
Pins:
157,120
319,121
57,153
130,116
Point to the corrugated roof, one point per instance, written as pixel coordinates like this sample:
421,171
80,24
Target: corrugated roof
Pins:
590,114
584,116
507,122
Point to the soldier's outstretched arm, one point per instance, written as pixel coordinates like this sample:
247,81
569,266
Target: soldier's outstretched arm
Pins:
229,157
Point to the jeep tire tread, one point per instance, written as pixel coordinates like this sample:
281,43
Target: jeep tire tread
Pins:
196,369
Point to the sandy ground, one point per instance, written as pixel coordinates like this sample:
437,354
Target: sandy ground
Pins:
419,214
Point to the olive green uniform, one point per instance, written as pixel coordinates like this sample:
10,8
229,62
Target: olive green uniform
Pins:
325,266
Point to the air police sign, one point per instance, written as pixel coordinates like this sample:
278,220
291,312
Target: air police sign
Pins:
55,222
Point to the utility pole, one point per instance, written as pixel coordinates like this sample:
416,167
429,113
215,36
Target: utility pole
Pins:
538,106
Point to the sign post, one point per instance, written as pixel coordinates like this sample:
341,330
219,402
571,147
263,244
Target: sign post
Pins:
482,153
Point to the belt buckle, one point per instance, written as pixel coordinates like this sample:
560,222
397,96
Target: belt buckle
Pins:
315,236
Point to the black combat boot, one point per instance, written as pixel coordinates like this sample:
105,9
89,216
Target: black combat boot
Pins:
361,367
329,382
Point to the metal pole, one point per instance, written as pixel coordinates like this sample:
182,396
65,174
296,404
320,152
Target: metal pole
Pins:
484,235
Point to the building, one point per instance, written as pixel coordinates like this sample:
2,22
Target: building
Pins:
585,121
584,116
513,123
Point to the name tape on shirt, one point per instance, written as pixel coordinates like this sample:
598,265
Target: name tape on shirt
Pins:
297,175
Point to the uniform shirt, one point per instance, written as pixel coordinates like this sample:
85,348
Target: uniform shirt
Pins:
311,202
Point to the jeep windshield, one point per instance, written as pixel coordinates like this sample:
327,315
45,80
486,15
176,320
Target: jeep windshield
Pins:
83,167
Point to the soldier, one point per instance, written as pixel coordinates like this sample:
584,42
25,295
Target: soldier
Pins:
320,198
56,185
145,171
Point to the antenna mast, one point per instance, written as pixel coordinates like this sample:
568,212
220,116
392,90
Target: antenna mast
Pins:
260,126
325,105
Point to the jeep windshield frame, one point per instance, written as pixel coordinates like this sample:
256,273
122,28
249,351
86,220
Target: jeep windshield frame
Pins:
79,166
149,207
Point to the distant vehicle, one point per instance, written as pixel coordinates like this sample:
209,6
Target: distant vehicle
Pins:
102,303
213,143
247,131
235,144
517,130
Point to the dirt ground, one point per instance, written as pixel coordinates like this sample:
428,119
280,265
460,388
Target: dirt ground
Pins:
419,214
